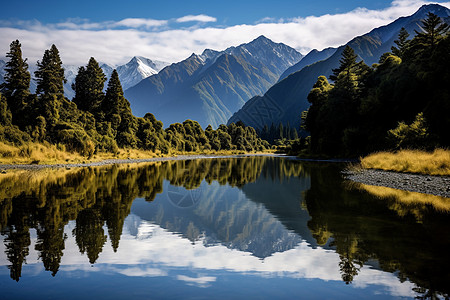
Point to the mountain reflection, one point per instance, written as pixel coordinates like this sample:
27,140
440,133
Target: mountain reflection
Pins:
267,207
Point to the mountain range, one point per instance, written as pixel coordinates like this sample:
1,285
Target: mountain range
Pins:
284,102
210,87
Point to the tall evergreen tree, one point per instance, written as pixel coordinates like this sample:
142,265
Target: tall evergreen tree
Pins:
347,62
88,87
433,30
17,79
50,85
50,74
117,111
114,102
402,43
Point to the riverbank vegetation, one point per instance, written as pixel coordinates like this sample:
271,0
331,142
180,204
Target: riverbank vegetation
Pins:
46,126
436,162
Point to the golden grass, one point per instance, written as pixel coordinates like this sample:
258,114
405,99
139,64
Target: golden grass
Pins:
36,153
411,161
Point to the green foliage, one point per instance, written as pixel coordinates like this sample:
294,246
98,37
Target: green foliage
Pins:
88,87
347,62
50,73
5,113
414,135
352,117
17,81
402,43
434,29
98,121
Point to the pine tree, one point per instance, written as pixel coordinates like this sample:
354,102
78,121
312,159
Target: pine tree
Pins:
50,85
50,74
347,62
88,87
434,29
402,43
17,79
114,101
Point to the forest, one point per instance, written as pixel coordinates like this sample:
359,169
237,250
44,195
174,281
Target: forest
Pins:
96,120
401,102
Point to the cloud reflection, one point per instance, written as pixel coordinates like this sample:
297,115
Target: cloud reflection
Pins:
161,253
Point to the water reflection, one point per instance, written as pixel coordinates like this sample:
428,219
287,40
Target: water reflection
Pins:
262,215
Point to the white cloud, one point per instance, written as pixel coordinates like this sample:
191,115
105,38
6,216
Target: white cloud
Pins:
136,23
78,40
197,18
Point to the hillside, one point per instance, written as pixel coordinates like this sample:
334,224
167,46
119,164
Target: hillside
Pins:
211,86
285,101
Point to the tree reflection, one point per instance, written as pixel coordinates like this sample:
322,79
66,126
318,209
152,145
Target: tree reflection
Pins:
366,228
89,234
47,200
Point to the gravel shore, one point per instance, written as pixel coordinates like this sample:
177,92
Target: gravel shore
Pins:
426,184
125,161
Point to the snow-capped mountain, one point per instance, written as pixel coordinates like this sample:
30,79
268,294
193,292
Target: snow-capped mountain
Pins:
210,87
137,69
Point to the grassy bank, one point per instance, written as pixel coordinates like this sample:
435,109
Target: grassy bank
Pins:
410,161
36,153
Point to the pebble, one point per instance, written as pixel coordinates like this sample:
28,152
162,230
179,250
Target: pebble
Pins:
426,184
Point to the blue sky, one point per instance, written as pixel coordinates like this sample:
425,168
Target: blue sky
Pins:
228,13
114,31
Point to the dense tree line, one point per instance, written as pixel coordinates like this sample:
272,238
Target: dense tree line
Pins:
96,120
403,101
278,132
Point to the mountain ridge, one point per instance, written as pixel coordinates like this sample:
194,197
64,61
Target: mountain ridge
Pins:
284,101
212,85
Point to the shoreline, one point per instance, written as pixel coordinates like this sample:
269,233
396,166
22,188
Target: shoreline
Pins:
425,184
4,167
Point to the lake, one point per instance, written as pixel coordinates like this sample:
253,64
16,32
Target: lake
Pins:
227,228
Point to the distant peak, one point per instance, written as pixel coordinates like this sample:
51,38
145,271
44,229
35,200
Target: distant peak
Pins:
433,8
262,38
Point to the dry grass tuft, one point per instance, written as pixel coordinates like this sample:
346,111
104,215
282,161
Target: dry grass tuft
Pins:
410,161
35,153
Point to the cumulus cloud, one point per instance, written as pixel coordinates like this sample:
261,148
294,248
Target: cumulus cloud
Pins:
197,18
115,42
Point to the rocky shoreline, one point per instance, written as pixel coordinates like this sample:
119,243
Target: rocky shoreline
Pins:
426,184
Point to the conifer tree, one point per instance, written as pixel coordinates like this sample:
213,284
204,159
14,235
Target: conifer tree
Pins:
50,85
88,87
434,29
17,79
50,74
114,102
347,62
402,43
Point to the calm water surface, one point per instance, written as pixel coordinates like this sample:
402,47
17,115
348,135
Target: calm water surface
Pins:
242,228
